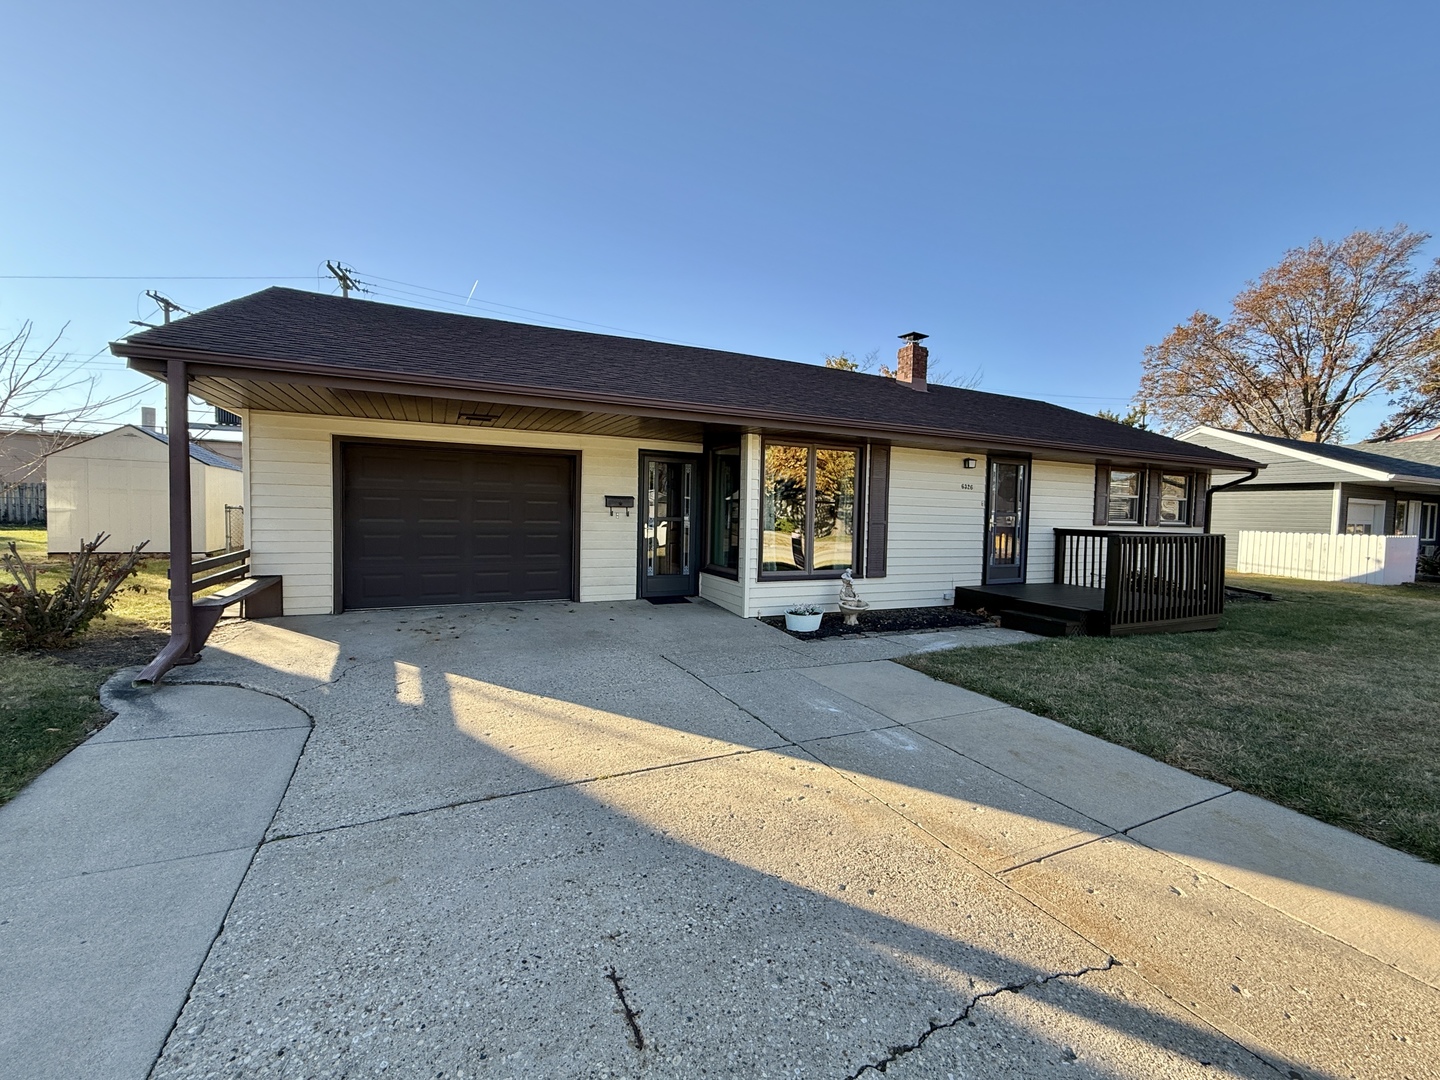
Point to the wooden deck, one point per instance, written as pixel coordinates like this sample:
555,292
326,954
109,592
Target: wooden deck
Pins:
1110,583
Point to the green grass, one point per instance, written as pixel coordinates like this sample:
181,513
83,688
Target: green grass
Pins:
1327,701
51,703
46,709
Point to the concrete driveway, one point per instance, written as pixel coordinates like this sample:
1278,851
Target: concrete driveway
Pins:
627,840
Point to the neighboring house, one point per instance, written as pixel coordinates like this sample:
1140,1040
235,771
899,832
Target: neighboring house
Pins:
1381,488
397,456
23,453
1430,435
117,483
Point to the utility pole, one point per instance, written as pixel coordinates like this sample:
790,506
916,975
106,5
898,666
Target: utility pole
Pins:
346,278
167,305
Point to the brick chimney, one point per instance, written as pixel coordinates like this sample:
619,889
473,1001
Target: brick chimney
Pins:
913,358
1310,436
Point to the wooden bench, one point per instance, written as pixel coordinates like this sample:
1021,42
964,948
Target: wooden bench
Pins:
259,597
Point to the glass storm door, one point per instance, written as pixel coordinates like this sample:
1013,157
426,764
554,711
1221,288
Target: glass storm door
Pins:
668,528
1005,529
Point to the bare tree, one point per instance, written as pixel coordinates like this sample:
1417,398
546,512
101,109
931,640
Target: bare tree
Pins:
870,365
42,380
1417,408
1332,325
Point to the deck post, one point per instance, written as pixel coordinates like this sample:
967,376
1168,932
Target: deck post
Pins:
1112,579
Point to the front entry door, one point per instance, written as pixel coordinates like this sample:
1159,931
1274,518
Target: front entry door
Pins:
1005,529
669,530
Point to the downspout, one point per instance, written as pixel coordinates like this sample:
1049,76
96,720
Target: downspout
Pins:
1210,493
177,426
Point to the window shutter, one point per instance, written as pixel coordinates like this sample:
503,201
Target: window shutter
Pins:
1102,495
1151,495
1199,483
877,511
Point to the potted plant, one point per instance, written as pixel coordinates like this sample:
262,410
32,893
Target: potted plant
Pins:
802,618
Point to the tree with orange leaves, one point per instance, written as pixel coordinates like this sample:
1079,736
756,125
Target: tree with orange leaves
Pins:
1332,325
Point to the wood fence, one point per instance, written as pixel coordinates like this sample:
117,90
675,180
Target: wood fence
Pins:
22,504
1356,557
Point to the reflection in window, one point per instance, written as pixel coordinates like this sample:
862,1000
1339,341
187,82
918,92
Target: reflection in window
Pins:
1174,499
1124,497
834,546
808,509
725,508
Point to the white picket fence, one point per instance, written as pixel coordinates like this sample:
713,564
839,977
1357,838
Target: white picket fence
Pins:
1364,558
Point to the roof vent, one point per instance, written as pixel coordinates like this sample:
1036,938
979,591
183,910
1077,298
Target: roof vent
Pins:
914,358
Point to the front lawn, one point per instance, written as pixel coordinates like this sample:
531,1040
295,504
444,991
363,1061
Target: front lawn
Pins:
1326,701
50,702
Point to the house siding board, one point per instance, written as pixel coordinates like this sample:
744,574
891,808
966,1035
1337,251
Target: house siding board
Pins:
292,495
728,593
1262,509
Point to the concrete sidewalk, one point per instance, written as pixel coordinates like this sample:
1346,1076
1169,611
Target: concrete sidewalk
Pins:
117,867
555,840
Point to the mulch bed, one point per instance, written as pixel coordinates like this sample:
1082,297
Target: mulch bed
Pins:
112,651
893,621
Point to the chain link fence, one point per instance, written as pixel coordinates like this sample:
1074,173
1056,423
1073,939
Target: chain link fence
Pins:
234,527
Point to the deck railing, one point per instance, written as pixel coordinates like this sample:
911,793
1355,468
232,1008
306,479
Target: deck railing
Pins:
1148,578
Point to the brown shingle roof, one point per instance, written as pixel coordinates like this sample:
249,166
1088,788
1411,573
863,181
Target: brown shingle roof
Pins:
290,330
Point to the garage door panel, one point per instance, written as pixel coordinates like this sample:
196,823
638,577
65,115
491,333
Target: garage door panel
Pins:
440,526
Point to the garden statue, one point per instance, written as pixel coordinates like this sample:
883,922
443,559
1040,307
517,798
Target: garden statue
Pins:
850,604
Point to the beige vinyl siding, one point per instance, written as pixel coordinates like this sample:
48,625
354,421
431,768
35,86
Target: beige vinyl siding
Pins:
1062,496
292,499
1259,509
724,592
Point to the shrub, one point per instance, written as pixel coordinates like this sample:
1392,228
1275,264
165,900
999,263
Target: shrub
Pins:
35,618
1429,564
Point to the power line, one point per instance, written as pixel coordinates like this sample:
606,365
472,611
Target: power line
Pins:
492,304
152,277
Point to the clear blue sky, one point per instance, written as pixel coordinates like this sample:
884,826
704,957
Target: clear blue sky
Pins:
1043,188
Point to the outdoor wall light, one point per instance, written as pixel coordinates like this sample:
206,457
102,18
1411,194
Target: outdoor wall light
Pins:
970,463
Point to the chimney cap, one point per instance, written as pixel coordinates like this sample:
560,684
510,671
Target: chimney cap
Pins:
914,336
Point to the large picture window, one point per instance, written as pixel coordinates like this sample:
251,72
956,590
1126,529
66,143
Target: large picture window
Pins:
808,509
724,552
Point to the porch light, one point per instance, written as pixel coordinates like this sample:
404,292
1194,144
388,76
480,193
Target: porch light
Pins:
970,463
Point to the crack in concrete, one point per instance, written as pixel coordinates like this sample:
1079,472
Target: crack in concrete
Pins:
897,1052
1119,832
632,1016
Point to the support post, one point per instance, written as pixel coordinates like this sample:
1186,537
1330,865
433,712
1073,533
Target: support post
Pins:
179,649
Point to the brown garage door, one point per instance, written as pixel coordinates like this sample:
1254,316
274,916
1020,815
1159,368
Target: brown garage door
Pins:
444,525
